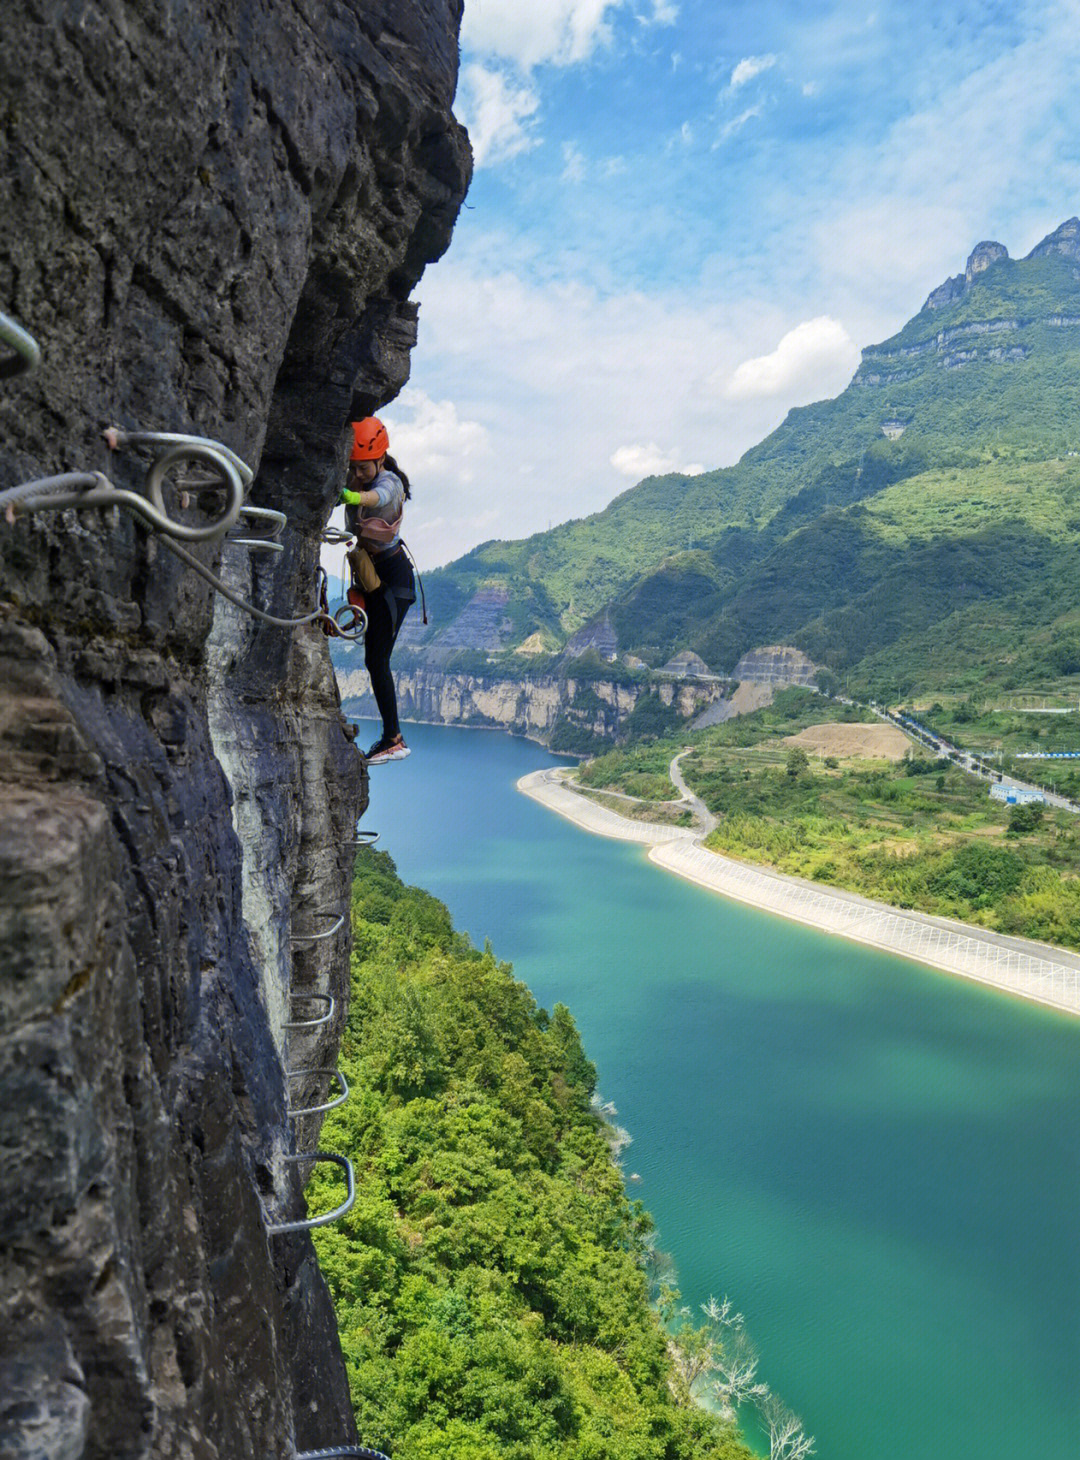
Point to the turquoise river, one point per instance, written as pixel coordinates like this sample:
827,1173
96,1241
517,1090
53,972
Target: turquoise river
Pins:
879,1163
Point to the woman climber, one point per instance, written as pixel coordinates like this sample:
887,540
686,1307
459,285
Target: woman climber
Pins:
374,495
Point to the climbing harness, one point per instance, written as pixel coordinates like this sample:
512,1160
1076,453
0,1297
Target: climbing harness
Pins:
274,1229
334,625
315,937
420,581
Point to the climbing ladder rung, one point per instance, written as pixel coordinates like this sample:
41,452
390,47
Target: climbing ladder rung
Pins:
257,544
363,839
27,354
330,1104
336,536
327,999
275,1228
360,1452
255,517
314,937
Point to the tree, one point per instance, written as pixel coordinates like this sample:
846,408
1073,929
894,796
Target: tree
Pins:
720,1313
694,1353
797,762
1023,818
827,682
736,1369
787,1438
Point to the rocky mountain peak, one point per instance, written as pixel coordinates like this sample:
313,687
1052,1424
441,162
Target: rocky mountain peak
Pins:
982,256
1064,240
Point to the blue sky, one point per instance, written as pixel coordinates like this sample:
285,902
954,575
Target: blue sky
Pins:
690,215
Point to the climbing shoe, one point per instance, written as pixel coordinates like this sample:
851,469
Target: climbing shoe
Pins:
385,749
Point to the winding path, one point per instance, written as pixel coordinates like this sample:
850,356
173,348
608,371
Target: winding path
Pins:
706,820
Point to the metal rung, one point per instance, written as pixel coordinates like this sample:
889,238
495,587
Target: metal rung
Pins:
363,839
335,536
260,516
330,1104
274,1228
314,937
327,999
360,1452
27,356
274,519
258,544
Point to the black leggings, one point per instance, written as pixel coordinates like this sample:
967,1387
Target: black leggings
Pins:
385,613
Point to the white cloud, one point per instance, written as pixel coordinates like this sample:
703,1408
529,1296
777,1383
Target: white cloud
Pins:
737,123
649,461
999,145
748,68
809,358
429,436
496,112
663,13
578,392
573,163
553,32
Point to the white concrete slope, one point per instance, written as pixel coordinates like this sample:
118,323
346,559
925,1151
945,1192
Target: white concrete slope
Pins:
1031,970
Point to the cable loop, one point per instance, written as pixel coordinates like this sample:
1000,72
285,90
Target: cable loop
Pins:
94,489
356,627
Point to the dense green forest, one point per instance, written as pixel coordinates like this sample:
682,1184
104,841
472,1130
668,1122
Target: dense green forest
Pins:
920,529
492,1282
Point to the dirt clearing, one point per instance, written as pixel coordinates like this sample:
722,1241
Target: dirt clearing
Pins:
846,742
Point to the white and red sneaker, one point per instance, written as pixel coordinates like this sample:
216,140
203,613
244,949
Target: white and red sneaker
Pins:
384,750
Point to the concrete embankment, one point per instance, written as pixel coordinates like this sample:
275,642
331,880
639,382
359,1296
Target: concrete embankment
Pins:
1031,970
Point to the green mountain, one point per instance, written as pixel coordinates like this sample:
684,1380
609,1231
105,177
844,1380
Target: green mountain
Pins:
920,529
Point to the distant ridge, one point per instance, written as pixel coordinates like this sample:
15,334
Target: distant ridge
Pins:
921,527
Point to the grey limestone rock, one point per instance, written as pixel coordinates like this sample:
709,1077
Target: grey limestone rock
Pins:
214,216
981,258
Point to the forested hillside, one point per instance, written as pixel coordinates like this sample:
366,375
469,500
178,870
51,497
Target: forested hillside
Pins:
927,518
491,1280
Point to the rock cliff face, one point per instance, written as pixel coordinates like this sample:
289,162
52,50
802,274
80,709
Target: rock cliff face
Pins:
214,216
962,344
532,705
777,664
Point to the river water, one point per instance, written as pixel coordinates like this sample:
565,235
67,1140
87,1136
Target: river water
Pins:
879,1163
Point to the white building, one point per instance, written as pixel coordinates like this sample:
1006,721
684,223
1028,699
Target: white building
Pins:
1014,795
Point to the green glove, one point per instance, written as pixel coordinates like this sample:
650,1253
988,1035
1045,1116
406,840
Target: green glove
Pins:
352,498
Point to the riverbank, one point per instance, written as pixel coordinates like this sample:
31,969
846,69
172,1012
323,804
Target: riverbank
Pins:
1018,966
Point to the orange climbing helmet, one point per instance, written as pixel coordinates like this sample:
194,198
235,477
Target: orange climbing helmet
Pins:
370,440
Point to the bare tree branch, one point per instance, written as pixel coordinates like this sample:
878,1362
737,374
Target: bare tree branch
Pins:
787,1438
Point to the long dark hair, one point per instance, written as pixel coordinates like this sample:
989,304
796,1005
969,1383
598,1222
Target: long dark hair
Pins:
391,465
